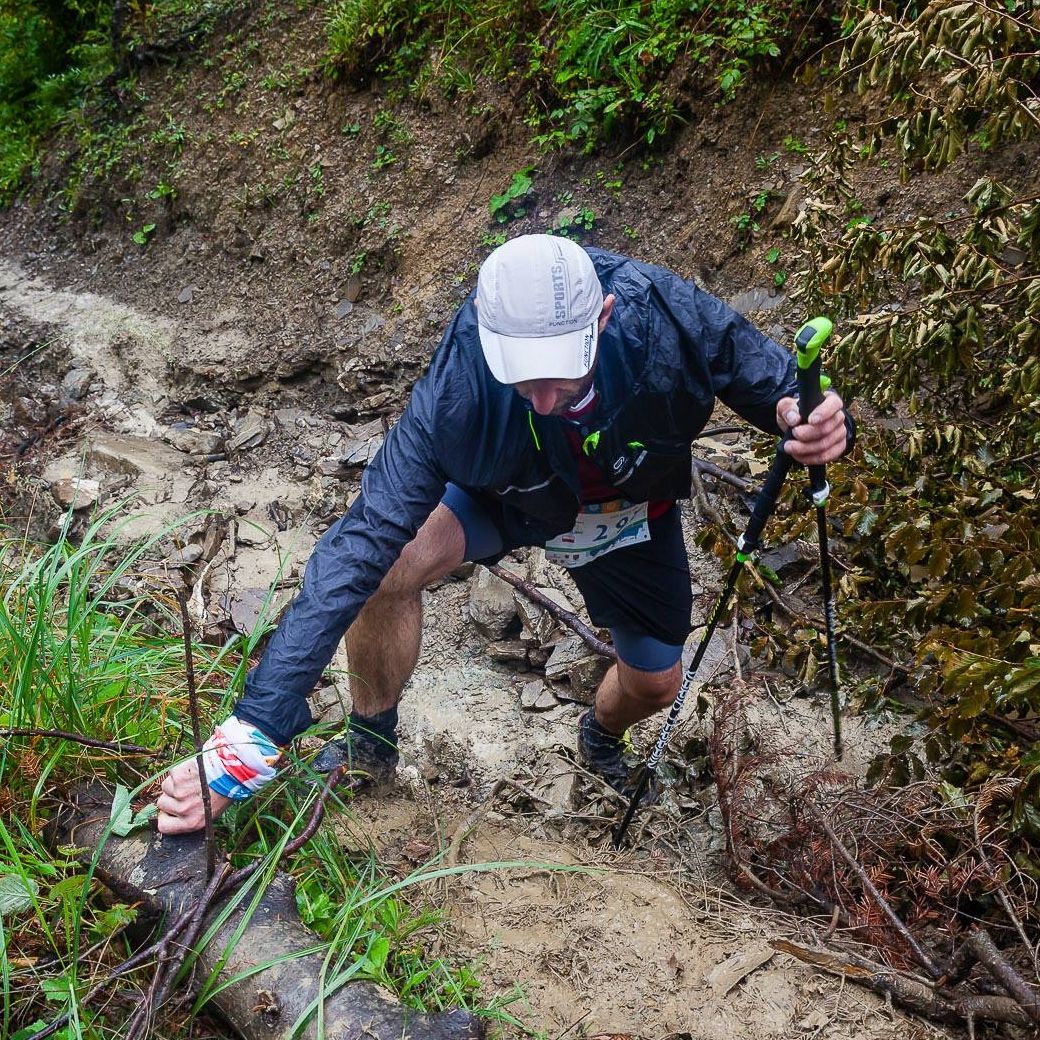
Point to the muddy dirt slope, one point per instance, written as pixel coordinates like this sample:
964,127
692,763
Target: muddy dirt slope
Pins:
245,360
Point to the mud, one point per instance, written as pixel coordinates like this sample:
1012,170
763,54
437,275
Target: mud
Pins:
232,369
639,942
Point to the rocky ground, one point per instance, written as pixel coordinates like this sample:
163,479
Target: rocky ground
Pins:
227,381
653,942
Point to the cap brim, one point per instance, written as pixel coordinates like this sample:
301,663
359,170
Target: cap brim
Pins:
517,359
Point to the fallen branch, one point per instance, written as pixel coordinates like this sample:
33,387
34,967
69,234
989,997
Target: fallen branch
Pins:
1000,968
117,746
566,617
817,622
260,985
912,993
894,919
709,468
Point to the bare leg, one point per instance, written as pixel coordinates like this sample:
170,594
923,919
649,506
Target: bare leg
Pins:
383,642
627,696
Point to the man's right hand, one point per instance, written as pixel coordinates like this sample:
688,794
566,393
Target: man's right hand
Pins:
180,803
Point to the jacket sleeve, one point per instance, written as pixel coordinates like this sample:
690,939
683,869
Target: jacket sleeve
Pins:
747,370
399,489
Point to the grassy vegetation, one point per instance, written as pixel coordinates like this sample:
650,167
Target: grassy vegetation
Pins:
89,646
616,71
50,53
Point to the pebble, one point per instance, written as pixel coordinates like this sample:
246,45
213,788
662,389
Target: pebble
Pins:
76,492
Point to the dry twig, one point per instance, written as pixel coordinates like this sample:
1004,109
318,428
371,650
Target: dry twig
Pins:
116,746
566,617
196,734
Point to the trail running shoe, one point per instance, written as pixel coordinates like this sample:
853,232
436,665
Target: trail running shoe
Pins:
367,761
603,753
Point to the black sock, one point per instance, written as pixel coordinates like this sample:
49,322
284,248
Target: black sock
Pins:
379,730
598,736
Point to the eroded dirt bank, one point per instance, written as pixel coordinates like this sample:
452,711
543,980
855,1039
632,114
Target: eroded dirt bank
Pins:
649,942
240,368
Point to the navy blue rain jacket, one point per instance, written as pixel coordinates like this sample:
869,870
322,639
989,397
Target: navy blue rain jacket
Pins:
668,352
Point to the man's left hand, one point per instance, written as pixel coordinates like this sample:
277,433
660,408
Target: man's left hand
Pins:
820,440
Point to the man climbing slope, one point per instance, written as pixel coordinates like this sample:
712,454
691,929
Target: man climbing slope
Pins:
558,410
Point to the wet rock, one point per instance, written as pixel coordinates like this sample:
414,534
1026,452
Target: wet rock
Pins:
718,658
330,466
122,453
536,696
558,785
250,432
373,322
538,623
329,704
189,438
789,211
254,529
491,603
186,556
538,656
245,607
291,418
280,514
355,452
351,288
374,402
573,662
77,382
508,650
76,493
756,300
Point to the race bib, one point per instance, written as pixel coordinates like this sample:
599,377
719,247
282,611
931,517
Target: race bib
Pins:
600,528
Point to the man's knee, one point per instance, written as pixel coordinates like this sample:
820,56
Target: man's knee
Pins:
654,689
437,549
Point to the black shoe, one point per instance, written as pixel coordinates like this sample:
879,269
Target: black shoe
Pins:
366,761
604,754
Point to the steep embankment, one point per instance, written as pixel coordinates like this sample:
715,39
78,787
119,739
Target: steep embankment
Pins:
250,274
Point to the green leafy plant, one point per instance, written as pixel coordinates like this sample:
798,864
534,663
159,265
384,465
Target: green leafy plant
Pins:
592,73
163,190
142,234
510,204
384,157
575,223
935,67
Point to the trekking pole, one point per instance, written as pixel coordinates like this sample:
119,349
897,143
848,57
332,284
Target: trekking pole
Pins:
808,341
747,545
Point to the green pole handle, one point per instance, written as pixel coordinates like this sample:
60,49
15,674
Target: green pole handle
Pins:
809,341
812,383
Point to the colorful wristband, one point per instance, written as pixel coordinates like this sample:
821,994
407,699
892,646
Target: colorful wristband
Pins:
239,760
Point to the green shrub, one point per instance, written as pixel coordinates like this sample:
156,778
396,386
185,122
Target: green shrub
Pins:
941,336
613,71
50,52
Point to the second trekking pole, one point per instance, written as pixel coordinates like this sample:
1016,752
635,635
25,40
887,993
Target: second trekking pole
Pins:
761,511
811,385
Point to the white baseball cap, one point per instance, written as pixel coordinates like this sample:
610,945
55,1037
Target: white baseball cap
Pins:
538,307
